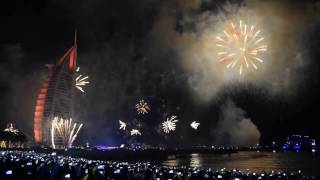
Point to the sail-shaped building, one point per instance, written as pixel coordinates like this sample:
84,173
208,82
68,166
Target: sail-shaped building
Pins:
56,96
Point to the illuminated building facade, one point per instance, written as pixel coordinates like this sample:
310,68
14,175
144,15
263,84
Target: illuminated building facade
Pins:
12,138
56,95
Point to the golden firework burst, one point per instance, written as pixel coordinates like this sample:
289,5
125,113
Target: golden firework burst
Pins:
240,45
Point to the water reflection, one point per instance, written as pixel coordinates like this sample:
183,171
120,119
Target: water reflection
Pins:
171,162
309,163
192,160
195,160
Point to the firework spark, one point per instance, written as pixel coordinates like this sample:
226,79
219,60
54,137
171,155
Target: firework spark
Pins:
240,45
195,125
123,125
135,132
80,81
11,129
65,131
142,107
169,124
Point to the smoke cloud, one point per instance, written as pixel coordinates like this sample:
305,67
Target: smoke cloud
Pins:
233,128
190,30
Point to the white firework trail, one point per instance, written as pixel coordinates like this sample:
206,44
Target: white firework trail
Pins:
65,130
169,124
81,81
123,125
135,132
142,107
241,45
195,125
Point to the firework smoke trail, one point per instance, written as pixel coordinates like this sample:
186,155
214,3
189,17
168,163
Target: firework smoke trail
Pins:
65,129
169,124
80,81
195,125
135,132
142,107
240,46
123,125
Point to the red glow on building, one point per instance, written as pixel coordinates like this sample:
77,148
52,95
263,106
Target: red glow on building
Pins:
38,114
55,92
72,58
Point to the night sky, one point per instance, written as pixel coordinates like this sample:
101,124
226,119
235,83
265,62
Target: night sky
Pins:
160,50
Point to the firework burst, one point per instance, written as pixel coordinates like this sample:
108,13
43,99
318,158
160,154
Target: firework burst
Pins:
195,125
142,107
81,81
169,124
135,132
240,46
123,125
65,131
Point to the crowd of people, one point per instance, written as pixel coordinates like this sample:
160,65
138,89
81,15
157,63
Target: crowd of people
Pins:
33,165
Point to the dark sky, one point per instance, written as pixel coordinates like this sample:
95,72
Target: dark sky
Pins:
133,50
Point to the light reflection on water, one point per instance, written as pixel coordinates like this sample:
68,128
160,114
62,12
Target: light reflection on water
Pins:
309,163
195,160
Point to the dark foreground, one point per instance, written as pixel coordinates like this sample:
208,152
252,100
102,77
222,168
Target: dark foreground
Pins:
32,165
